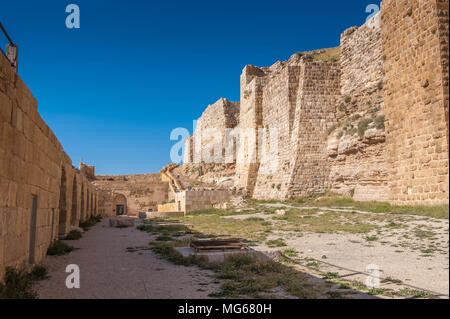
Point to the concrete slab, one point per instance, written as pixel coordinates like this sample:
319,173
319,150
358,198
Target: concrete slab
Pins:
165,214
220,256
121,221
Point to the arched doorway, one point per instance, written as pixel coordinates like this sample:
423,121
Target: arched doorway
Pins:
62,204
74,201
120,204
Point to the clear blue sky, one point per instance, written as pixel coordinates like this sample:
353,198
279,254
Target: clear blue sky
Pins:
113,90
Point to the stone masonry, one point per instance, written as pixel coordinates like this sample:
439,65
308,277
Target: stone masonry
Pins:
415,44
41,194
370,122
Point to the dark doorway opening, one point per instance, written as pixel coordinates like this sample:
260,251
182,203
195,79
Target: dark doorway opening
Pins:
120,210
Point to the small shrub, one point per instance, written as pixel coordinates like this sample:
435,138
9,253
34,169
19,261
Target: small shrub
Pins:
363,125
17,285
331,129
374,110
352,192
379,122
90,222
340,134
74,235
331,275
347,99
342,108
38,273
279,186
380,85
59,248
276,243
355,117
371,238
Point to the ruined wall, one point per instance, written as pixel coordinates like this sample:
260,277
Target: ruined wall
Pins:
315,114
371,123
356,144
415,43
298,104
143,192
208,142
250,121
33,170
279,96
188,201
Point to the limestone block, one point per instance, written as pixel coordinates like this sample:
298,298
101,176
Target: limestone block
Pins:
121,221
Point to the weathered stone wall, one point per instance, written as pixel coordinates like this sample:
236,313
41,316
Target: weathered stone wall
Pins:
33,164
314,115
356,145
415,44
299,98
371,123
168,207
143,192
188,201
250,121
279,96
208,142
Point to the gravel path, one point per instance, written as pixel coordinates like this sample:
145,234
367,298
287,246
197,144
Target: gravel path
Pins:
107,270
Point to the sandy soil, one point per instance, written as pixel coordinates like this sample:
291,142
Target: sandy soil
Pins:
416,253
109,271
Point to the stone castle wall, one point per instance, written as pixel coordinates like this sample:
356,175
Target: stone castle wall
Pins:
357,158
142,192
415,44
211,132
372,124
33,165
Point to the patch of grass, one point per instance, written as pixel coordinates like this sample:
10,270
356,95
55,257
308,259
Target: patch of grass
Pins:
255,219
312,264
391,280
334,200
17,285
407,292
90,222
59,248
424,234
290,252
331,275
363,125
39,273
371,238
276,243
331,129
164,238
246,276
378,291
379,122
74,235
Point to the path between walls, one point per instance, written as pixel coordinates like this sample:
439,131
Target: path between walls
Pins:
107,270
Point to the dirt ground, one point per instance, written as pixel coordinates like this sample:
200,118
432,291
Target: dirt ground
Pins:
108,270
411,252
327,249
